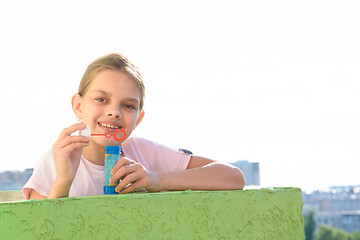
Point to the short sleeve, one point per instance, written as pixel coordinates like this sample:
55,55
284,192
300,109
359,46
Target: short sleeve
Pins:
43,176
154,156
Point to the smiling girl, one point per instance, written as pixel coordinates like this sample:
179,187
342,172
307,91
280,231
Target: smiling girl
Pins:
111,97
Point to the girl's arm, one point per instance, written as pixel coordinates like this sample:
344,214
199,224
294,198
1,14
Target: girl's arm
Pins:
35,195
57,190
201,174
204,174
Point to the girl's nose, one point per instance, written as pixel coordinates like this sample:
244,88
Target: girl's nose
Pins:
114,112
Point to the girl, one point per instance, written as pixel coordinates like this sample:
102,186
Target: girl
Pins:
110,97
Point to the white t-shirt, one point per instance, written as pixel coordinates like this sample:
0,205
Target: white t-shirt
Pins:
90,178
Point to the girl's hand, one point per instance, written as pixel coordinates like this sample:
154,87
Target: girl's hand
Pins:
135,174
67,152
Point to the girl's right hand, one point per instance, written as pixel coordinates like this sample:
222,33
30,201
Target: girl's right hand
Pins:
67,152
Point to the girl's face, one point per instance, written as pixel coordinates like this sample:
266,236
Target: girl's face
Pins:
111,102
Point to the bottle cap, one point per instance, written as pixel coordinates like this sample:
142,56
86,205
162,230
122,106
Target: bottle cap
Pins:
112,150
85,132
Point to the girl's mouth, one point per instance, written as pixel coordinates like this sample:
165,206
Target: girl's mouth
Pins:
111,127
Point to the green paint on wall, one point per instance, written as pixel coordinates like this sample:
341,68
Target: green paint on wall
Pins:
249,214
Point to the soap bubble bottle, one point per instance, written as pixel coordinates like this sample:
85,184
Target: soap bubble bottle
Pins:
112,155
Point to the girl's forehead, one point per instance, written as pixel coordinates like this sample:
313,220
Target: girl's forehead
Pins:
111,81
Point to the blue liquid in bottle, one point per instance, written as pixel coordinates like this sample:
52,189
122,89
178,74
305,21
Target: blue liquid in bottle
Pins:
112,155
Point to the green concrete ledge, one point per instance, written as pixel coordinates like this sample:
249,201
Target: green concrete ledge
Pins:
274,213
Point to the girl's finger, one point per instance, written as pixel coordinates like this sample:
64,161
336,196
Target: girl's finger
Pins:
120,163
130,179
132,187
123,171
74,146
73,139
73,128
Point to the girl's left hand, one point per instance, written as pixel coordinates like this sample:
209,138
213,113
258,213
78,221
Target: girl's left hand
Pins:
135,174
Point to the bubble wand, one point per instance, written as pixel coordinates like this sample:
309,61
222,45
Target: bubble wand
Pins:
119,135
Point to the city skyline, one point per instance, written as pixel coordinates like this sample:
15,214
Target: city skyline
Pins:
338,207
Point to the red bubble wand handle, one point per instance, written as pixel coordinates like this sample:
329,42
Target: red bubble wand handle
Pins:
115,135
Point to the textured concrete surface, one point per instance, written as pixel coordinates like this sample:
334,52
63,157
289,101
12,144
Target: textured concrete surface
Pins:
249,214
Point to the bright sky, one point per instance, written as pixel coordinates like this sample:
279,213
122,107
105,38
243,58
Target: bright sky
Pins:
275,82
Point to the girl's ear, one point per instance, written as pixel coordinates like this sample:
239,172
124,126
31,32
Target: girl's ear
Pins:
140,118
76,103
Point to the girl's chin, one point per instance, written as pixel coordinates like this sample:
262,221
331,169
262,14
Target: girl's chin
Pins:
106,142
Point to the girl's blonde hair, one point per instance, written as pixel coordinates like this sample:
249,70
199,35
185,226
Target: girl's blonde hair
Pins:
114,61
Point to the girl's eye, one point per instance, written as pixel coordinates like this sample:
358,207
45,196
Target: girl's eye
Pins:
130,106
100,99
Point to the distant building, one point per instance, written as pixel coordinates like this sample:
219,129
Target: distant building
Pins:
339,207
251,172
350,221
